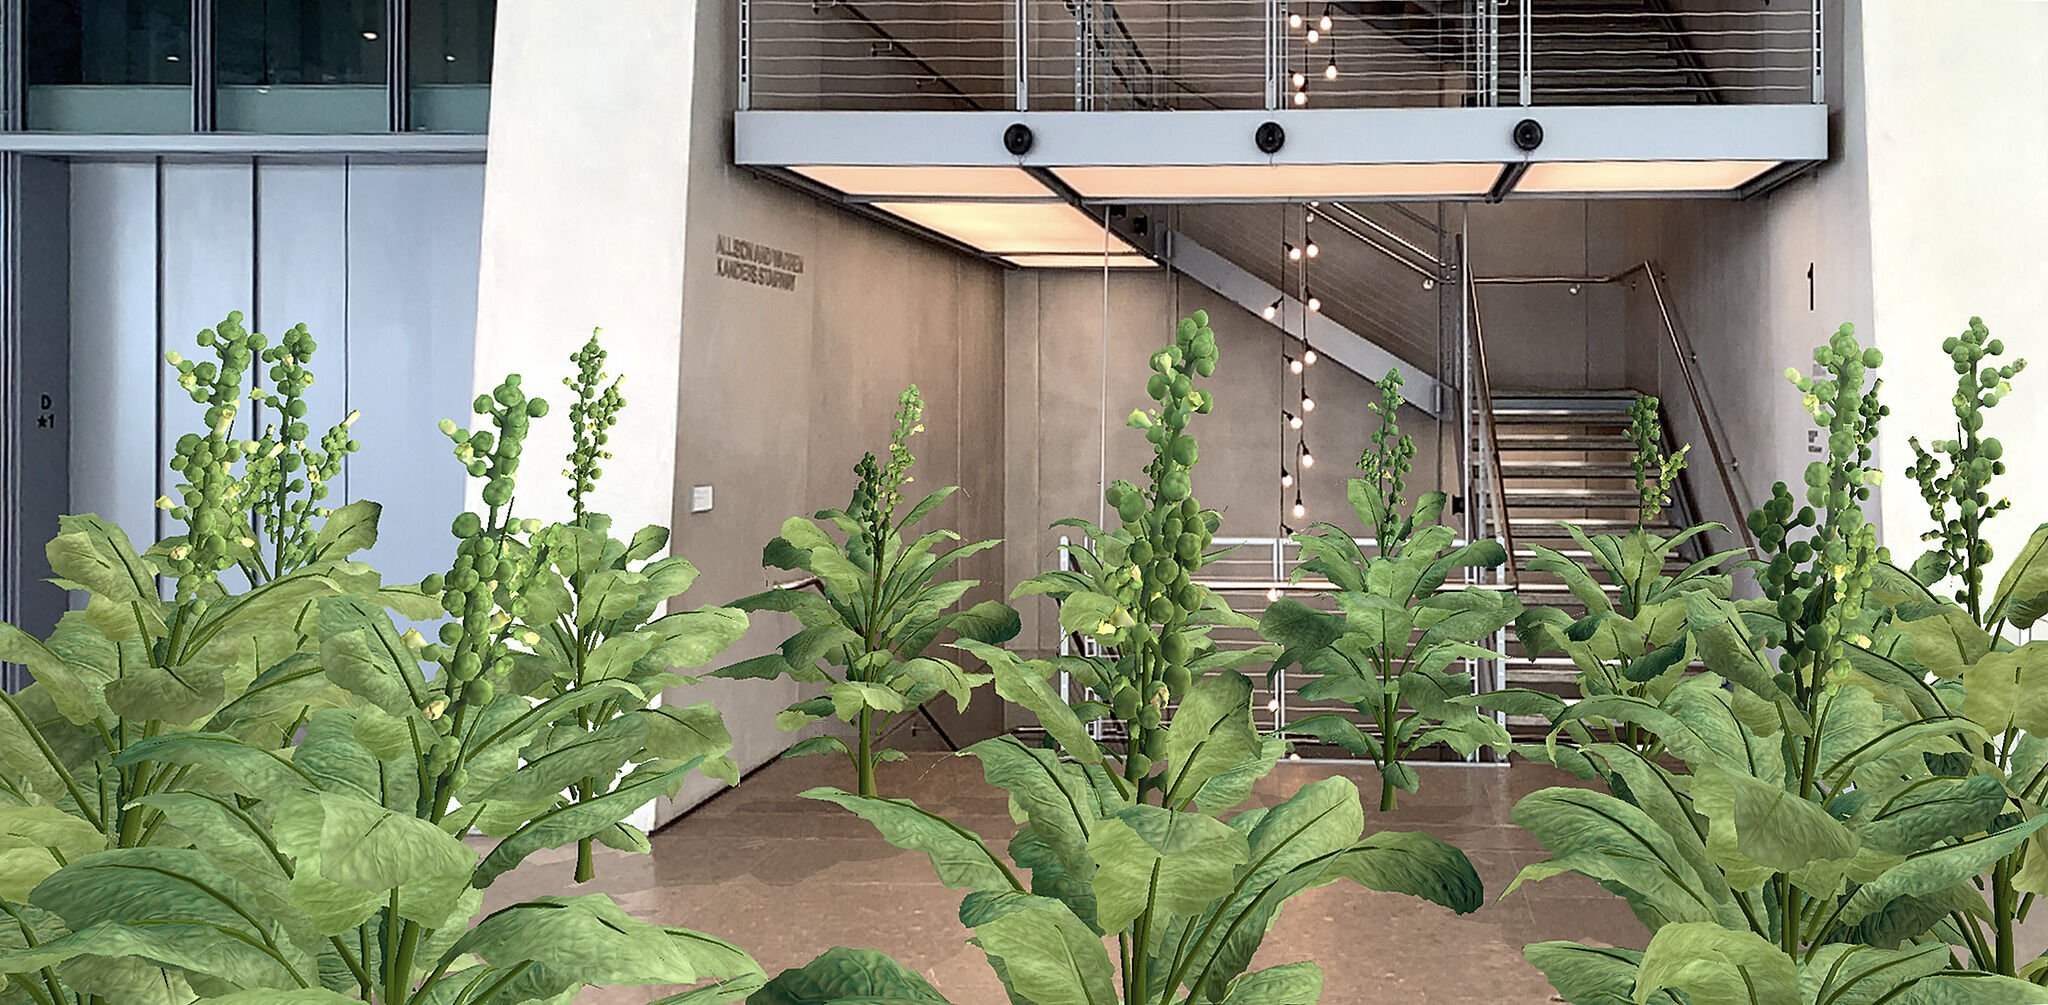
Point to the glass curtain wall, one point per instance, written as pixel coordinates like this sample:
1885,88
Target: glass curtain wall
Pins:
277,66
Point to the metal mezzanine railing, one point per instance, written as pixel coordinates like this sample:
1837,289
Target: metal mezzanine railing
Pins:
1252,54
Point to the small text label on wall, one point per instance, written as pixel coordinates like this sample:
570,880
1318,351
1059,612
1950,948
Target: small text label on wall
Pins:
752,262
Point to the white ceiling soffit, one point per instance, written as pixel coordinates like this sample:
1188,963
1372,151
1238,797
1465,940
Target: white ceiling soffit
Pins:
1095,260
1387,150
1590,177
1013,228
883,182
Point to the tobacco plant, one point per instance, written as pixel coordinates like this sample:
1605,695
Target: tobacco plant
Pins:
1149,850
1636,642
246,796
879,607
1390,651
1817,843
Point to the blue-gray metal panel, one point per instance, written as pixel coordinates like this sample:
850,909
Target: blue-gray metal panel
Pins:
302,276
415,242
114,353
39,415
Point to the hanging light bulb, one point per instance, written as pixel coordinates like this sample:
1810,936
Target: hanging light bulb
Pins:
1272,593
1272,310
1324,23
1301,97
1293,253
1308,460
1315,303
1293,420
1293,365
1575,289
1330,71
1294,20
1314,249
1300,79
1428,283
1286,478
1308,404
1314,36
1299,510
1308,356
1272,704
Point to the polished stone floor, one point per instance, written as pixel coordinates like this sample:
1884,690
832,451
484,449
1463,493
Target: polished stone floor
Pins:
787,878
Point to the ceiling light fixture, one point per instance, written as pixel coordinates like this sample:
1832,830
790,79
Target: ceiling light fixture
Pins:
1330,71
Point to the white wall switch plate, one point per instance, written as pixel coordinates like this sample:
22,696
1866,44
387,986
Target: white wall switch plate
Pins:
700,499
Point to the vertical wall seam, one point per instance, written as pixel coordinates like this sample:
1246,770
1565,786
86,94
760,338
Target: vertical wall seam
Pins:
156,382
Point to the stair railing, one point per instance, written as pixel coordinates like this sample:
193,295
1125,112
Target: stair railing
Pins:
1727,466
1482,403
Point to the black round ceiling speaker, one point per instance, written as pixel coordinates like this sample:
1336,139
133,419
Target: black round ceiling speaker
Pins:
1017,139
1528,134
1270,137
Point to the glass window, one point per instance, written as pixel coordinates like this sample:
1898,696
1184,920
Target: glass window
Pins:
110,66
451,64
301,66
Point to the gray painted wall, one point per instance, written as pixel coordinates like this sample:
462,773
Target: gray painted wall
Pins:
37,434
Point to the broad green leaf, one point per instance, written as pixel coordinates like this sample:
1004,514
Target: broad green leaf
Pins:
989,621
1591,975
1089,613
2009,689
1465,615
1753,823
1287,984
74,690
851,697
841,974
1211,733
349,529
962,861
1418,865
130,980
589,940
1931,870
35,840
1948,641
252,770
574,822
2022,596
180,695
271,996
609,594
1235,786
599,753
92,554
1056,798
1847,974
692,638
375,666
362,847
1297,626
1576,579
1162,860
684,732
1604,838
1022,684
1046,955
1712,965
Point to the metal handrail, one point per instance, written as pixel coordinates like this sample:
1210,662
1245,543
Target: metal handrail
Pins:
1485,401
1728,468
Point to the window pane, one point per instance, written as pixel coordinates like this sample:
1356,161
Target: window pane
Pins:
114,66
451,64
301,66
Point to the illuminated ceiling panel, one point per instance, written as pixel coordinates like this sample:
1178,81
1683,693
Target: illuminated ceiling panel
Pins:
1281,181
1640,176
922,182
1095,261
1006,228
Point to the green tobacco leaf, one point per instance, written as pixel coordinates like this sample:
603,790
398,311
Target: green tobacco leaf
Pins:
1232,787
181,695
353,854
1591,975
1847,974
170,906
685,732
1298,626
1727,648
1931,870
599,754
1057,798
1150,858
1338,730
962,861
1211,732
253,770
2009,689
1754,823
375,666
1596,835
988,621
35,840
851,697
1465,615
1948,641
1022,684
574,822
1086,613
270,996
1045,955
692,638
841,974
1576,579
818,745
92,554
1418,865
589,940
347,530
1286,984
76,691
1712,965
2022,596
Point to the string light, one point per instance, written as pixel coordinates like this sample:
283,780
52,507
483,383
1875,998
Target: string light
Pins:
1293,420
1324,24
1272,593
1315,303
1272,310
1299,510
1330,71
1308,356
1301,97
1286,478
1314,36
1308,460
1294,20
1308,404
1313,248
1293,253
1293,365
1428,283
1300,79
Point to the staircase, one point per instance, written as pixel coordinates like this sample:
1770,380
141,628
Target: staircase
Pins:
1610,52
1565,456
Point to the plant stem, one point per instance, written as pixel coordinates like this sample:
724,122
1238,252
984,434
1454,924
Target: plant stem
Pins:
2003,900
864,760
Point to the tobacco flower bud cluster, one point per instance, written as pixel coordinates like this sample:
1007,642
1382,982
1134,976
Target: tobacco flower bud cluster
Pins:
211,500
1819,583
1655,470
1971,462
591,417
1169,533
487,561
1389,460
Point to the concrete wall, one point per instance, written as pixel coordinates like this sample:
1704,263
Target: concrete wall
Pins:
1076,367
1545,336
782,391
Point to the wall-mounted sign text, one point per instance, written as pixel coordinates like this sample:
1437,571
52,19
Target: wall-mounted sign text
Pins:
748,262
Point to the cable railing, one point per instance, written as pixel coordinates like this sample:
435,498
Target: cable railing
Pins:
1163,55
